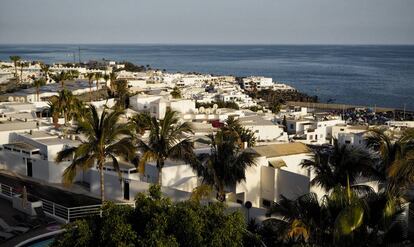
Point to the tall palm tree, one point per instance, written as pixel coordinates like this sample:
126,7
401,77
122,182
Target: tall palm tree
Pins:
60,78
97,77
106,78
15,60
106,138
397,157
62,105
112,78
226,164
168,139
121,91
244,135
38,83
342,162
45,70
22,65
90,77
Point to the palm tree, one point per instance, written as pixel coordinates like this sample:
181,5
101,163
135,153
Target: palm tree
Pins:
112,78
38,83
337,165
167,140
106,139
225,165
97,76
22,65
60,78
15,60
121,91
141,122
90,77
106,78
341,218
397,157
62,105
176,93
244,135
45,70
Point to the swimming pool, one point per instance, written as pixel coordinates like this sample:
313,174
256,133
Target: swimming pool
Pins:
40,243
41,240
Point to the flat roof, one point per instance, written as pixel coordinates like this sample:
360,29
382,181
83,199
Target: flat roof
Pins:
278,150
58,141
17,125
22,146
53,88
38,135
255,120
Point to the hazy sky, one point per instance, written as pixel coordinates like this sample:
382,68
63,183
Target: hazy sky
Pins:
207,21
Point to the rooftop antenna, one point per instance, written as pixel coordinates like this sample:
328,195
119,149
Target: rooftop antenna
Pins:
79,54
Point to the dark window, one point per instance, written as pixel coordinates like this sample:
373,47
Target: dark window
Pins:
29,168
266,203
126,190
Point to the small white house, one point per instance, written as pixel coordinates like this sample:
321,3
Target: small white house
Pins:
33,154
277,172
264,130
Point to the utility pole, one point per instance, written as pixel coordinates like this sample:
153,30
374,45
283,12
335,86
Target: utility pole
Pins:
79,55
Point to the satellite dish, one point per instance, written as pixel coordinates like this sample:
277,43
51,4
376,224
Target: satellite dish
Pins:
215,106
208,110
201,109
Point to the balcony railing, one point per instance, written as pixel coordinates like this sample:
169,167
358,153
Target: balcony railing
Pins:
57,211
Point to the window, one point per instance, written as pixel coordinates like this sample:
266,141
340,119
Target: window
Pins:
341,129
347,142
266,203
291,126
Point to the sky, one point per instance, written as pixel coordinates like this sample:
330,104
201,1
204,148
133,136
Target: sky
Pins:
207,21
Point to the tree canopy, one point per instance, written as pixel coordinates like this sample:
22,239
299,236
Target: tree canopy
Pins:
157,221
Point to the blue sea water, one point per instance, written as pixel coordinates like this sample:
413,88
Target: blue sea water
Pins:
363,75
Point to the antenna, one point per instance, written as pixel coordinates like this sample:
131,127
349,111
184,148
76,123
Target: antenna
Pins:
79,54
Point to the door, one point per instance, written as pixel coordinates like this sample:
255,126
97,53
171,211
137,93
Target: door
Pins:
126,190
29,168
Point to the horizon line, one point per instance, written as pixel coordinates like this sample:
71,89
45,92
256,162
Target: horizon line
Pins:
219,44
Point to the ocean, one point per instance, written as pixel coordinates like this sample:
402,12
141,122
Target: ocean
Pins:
372,75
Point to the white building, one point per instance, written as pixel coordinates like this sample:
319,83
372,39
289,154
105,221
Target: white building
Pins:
263,129
352,135
258,82
277,172
33,154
